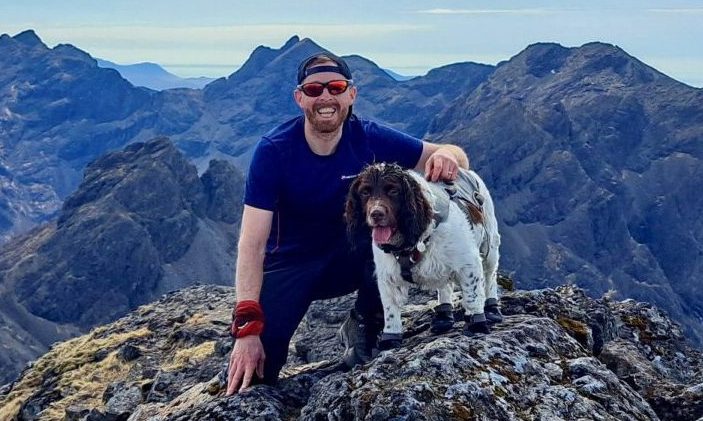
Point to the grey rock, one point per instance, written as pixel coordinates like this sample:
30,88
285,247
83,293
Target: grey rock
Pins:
124,401
76,413
129,352
224,189
453,377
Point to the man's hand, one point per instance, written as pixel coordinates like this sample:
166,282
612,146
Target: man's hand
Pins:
247,358
441,165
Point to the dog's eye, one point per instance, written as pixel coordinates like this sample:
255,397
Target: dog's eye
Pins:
365,192
393,191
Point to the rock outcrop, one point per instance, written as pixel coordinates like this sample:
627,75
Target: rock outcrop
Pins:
558,355
58,111
142,223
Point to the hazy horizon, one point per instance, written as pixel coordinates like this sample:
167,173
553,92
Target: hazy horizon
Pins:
214,37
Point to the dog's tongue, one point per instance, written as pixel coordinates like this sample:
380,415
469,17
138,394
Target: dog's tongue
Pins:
382,235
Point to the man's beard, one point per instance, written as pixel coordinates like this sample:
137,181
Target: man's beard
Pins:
321,125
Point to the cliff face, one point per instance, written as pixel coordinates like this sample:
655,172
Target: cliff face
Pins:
593,159
58,111
558,355
141,223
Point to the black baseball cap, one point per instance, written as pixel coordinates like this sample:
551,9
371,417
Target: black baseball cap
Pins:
339,67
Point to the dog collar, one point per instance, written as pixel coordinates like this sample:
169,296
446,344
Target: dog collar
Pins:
407,257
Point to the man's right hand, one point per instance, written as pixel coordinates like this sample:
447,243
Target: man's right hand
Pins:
246,359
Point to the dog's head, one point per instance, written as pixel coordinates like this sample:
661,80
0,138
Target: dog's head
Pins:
386,199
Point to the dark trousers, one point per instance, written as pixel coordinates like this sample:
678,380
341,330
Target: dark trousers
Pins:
290,285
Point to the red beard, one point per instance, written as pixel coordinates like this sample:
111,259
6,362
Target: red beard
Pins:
326,125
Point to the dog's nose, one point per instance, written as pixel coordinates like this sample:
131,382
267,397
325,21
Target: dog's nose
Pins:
377,214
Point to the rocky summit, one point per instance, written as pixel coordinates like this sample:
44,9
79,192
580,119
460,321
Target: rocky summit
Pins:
594,161
558,355
141,223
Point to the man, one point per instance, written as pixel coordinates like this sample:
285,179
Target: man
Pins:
292,247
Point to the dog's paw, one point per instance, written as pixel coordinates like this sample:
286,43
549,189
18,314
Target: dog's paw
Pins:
443,319
493,314
476,324
390,341
492,311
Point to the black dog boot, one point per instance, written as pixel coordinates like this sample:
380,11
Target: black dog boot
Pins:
389,341
443,319
492,311
475,324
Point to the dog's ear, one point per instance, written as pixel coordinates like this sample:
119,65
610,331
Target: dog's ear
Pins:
353,213
416,212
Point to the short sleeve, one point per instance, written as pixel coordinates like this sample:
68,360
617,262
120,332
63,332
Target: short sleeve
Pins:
390,145
262,185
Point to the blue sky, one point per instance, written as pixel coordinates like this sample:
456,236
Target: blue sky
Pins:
213,37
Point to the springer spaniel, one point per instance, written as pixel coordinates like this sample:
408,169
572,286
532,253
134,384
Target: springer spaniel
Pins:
422,237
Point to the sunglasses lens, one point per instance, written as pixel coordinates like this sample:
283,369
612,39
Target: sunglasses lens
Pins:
334,87
313,89
337,87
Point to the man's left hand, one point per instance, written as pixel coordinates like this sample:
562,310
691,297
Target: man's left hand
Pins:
441,165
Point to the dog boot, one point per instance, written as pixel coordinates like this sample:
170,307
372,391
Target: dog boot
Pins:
492,311
443,319
475,324
389,341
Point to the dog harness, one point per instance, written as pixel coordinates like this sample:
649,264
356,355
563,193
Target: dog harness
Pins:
465,193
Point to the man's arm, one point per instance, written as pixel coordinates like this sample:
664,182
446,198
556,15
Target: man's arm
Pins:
441,162
248,353
254,232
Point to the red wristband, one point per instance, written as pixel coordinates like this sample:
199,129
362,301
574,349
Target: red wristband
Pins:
247,319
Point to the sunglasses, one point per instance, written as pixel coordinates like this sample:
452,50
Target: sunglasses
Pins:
334,87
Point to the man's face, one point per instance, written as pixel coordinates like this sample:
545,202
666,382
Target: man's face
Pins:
327,112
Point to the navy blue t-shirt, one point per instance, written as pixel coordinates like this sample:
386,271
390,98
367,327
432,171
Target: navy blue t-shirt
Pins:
307,191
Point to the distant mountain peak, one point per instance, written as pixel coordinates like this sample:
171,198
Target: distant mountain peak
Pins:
594,58
153,76
264,57
291,42
542,45
604,45
74,52
543,58
295,45
29,38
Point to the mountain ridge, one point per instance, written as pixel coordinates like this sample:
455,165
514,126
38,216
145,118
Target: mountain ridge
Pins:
58,101
587,151
154,76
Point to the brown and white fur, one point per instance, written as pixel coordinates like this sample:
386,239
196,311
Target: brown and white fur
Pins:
398,206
